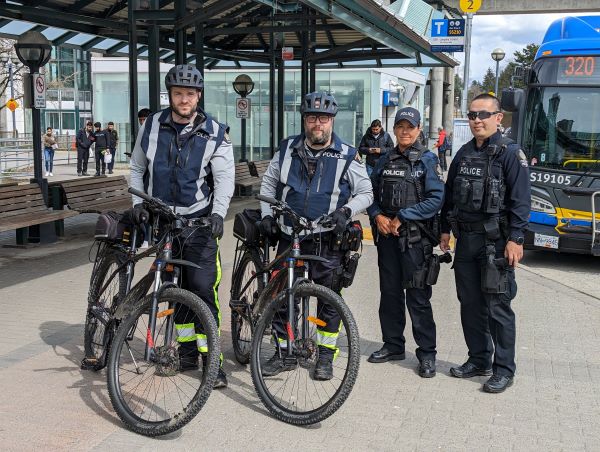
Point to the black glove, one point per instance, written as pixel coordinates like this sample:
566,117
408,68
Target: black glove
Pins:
216,225
268,227
138,214
340,218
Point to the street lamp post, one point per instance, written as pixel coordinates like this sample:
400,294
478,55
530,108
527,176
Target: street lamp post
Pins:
243,85
10,63
33,50
497,55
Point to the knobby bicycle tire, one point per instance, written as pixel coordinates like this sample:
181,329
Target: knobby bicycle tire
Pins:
187,391
103,298
263,384
242,316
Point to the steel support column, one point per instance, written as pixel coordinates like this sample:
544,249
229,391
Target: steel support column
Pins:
199,48
154,62
180,34
312,65
435,104
133,76
280,99
448,111
272,63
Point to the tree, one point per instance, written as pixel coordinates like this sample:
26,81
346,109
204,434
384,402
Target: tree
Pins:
474,90
458,89
7,50
525,57
489,80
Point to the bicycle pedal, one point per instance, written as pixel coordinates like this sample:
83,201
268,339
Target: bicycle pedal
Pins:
238,305
89,363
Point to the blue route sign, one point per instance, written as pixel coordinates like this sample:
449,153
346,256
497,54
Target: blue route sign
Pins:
447,35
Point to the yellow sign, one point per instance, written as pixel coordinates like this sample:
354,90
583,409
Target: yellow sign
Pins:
12,104
470,6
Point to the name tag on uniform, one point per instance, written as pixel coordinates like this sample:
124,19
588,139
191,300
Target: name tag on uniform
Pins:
335,155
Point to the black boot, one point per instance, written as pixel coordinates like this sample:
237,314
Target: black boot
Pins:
498,383
275,366
324,366
427,368
188,356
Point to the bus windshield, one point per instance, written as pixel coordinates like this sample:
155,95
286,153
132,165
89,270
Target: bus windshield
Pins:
562,128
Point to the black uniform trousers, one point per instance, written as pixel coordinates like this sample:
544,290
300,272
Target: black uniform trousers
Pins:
396,267
197,245
488,320
83,156
321,273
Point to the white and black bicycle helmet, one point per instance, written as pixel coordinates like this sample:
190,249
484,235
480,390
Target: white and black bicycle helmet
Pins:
319,103
184,75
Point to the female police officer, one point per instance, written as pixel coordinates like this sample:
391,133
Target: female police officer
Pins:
408,194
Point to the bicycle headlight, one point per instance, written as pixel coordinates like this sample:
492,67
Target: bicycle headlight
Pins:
541,205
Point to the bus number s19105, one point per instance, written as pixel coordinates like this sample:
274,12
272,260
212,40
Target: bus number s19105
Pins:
549,178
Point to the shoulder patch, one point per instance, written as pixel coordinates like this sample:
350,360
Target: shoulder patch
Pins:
522,158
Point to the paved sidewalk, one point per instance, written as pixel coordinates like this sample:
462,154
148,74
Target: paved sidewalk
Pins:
48,403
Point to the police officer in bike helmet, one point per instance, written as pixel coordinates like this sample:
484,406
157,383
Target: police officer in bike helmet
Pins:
408,193
184,157
317,174
488,198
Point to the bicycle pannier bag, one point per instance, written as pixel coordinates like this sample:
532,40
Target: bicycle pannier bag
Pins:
109,227
245,226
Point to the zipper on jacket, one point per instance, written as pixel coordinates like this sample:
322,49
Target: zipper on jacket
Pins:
320,167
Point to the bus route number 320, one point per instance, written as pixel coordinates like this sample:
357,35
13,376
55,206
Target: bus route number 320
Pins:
549,178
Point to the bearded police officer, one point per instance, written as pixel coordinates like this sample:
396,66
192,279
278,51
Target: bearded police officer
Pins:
316,174
408,194
487,207
185,158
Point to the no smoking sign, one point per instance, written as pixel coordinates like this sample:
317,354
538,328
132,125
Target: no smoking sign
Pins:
39,91
242,108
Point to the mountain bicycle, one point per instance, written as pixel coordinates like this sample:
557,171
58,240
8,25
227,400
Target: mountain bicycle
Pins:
148,388
297,324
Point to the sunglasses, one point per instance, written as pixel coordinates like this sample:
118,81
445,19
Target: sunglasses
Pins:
323,119
473,115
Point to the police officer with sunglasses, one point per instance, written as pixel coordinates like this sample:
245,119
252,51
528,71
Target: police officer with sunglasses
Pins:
487,204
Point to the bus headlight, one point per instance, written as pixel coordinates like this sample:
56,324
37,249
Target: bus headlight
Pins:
541,205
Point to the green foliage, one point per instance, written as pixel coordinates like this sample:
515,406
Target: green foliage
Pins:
489,81
525,57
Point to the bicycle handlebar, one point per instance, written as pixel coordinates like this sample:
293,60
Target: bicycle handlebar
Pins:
299,221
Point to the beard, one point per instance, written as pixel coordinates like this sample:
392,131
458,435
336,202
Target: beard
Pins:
182,114
320,137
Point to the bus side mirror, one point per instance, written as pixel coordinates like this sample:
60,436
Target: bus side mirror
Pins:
512,99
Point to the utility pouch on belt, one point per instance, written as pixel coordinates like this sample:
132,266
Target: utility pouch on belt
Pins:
344,275
477,194
492,229
413,233
494,278
433,270
348,240
494,196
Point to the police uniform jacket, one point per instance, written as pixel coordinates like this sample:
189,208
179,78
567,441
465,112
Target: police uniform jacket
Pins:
339,180
426,171
192,170
511,166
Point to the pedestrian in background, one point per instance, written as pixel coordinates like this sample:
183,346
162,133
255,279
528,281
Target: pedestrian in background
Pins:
50,145
113,145
487,205
408,193
375,143
102,140
84,140
440,145
143,114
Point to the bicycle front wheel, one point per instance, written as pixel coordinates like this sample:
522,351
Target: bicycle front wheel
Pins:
311,382
107,288
160,390
244,296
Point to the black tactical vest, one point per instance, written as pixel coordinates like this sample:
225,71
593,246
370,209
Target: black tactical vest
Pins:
398,188
477,187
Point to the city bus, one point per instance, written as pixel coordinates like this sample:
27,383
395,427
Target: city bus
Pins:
556,119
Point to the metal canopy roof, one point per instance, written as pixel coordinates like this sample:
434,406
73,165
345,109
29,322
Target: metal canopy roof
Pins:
358,33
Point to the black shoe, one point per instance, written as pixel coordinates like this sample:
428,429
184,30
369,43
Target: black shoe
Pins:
78,173
221,381
384,355
324,368
427,368
110,172
97,174
275,365
104,173
84,174
498,383
468,370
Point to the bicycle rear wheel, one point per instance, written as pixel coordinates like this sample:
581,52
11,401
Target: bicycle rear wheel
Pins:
107,289
156,396
296,394
242,303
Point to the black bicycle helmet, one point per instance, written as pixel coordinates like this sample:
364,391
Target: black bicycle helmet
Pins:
184,75
320,103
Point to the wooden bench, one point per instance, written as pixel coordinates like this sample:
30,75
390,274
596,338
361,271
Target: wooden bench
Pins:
248,176
22,206
91,194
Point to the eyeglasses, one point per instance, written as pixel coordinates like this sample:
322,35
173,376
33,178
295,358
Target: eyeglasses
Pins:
323,119
473,115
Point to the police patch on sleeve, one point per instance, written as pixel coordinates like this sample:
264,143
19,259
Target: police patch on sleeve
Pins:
522,158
